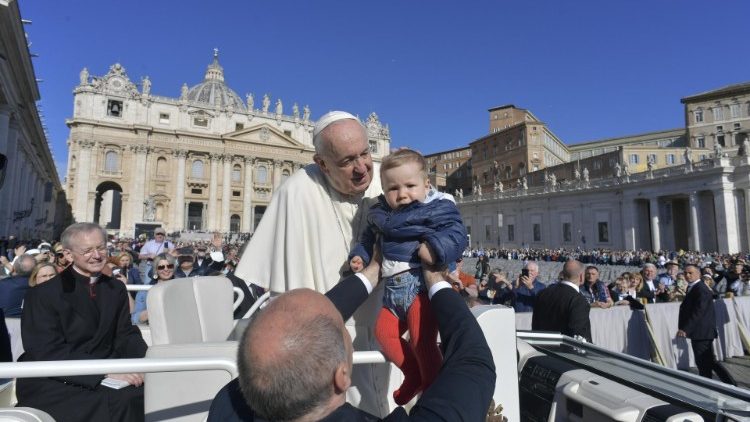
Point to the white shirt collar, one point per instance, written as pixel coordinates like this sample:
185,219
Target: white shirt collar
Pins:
571,284
691,285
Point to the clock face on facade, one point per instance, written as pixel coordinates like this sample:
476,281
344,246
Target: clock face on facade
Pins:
116,83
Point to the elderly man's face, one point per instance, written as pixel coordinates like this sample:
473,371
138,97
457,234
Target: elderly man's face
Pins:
89,252
345,158
649,273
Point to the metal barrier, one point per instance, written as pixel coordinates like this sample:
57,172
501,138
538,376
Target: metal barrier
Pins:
235,305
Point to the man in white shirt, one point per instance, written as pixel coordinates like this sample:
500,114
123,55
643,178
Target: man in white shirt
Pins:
652,289
153,247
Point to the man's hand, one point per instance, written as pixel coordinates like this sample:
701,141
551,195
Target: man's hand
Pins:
372,270
135,379
434,274
20,250
426,254
122,278
681,333
526,281
356,264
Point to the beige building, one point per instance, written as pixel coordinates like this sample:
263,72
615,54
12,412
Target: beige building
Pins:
31,196
719,116
206,160
450,170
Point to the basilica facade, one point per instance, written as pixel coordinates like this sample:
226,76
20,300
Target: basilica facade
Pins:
205,161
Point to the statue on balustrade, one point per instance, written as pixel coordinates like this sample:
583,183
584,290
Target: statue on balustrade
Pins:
650,166
688,156
718,150
626,172
266,103
84,75
585,177
149,210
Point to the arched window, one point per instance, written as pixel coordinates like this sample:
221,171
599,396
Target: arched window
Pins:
262,174
72,162
111,162
197,169
234,223
236,173
161,166
284,175
159,212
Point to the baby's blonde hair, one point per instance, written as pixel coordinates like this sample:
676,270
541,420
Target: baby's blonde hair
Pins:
402,156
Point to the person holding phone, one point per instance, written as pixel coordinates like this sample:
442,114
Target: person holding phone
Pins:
527,287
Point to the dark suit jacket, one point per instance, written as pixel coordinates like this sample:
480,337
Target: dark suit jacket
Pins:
12,292
61,321
651,296
462,390
697,316
561,309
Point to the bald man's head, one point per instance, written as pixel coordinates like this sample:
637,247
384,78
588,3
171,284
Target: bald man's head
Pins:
573,271
290,355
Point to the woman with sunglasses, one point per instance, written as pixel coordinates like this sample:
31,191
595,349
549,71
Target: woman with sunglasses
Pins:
163,271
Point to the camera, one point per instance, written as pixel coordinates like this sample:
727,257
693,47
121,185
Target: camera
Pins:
116,271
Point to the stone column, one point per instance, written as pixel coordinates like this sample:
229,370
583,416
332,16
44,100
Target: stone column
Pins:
226,192
629,211
695,239
4,131
654,213
747,216
83,175
212,223
247,199
185,217
7,193
91,204
178,221
138,184
276,174
204,217
727,230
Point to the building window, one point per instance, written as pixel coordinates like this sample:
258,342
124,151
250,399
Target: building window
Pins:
239,126
164,118
698,116
701,142
288,133
114,108
718,114
236,173
670,159
652,158
374,147
720,140
48,192
603,227
487,233
511,233
597,164
111,162
200,121
161,166
734,109
536,229
197,169
567,232
284,175
236,193
262,174
737,126
234,223
195,191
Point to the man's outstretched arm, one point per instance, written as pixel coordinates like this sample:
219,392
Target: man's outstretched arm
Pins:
352,291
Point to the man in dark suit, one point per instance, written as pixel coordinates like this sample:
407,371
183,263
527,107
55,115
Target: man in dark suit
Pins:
295,359
652,289
561,307
697,321
81,314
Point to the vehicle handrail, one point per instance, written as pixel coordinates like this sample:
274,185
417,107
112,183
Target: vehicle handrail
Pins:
62,368
258,303
235,305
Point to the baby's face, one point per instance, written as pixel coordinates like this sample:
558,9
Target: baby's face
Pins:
404,184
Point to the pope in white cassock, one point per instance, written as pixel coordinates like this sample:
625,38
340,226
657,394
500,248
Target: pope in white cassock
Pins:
308,229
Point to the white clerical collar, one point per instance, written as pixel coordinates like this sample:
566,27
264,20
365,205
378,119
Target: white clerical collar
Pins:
690,285
92,278
571,284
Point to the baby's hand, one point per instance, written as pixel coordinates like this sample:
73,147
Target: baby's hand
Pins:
356,264
426,254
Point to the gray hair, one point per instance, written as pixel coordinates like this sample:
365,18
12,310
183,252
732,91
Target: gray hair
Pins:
74,230
21,268
649,265
286,388
529,264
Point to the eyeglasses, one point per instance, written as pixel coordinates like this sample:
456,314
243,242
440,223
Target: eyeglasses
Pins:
165,267
90,251
59,254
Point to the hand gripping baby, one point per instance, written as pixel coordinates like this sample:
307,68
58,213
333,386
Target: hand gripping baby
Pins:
413,224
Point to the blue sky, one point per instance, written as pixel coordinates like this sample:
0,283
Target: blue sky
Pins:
590,69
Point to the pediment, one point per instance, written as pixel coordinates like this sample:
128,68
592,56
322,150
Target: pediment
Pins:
264,134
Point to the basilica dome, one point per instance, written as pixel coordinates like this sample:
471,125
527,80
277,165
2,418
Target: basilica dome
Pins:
213,91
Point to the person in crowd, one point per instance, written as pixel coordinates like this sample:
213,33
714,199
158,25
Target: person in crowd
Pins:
482,267
670,275
13,289
163,271
561,307
527,287
413,223
124,261
200,264
6,267
61,259
42,273
697,321
158,245
271,386
504,294
594,290
81,314
619,291
652,290
460,280
679,288
732,280
327,201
